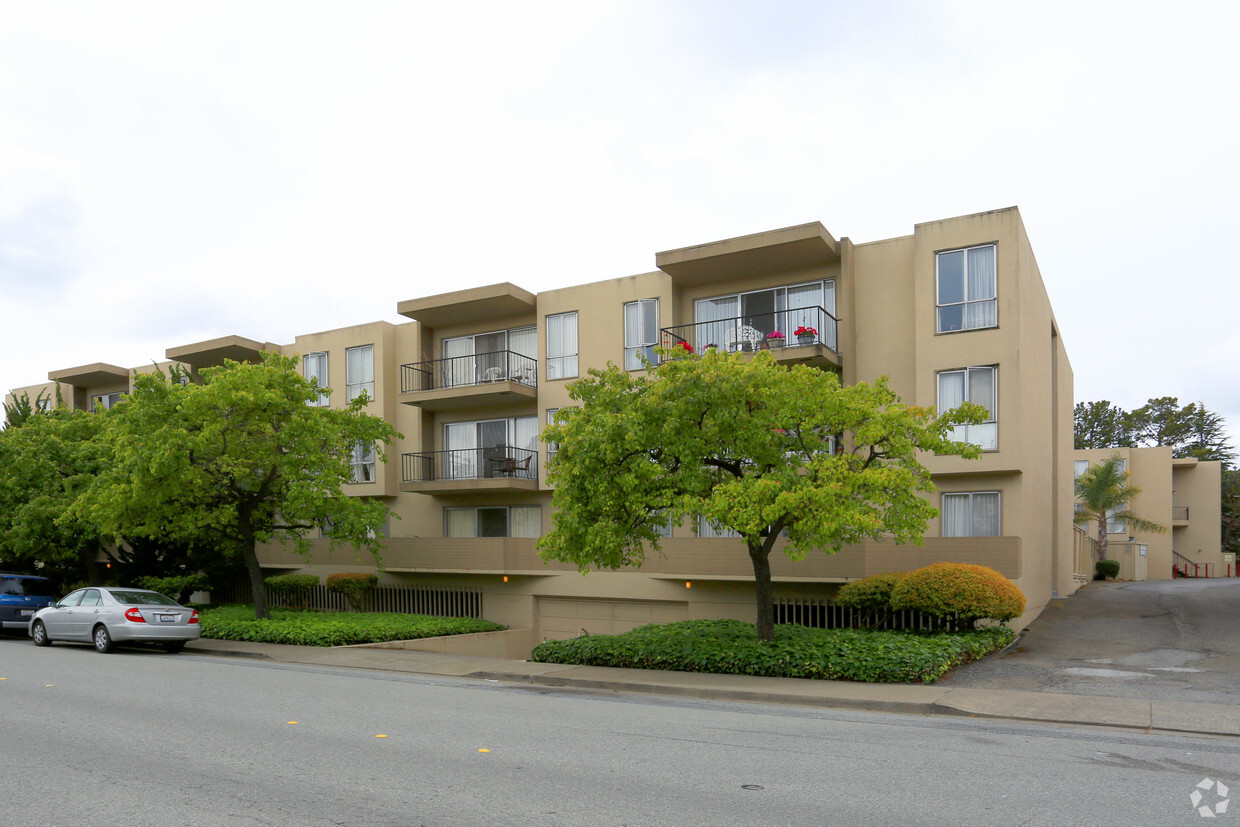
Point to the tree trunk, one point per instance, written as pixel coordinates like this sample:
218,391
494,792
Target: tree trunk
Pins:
760,555
1102,537
258,589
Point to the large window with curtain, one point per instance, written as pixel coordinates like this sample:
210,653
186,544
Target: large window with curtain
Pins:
491,357
641,333
979,385
967,289
972,514
562,345
359,373
493,521
732,322
477,448
362,462
314,366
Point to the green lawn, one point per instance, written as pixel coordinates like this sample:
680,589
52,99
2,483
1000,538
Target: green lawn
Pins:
315,628
732,647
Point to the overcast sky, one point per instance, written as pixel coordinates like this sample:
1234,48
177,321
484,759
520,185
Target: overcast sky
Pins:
173,172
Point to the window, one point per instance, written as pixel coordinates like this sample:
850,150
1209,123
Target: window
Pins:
705,528
552,447
491,448
493,521
44,404
359,372
736,322
1079,467
977,385
362,461
975,514
641,333
491,357
106,400
314,366
562,345
966,289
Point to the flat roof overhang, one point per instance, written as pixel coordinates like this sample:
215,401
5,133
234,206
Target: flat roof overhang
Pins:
214,351
773,251
90,376
477,304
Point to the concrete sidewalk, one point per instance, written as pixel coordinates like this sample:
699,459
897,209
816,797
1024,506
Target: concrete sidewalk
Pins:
1136,713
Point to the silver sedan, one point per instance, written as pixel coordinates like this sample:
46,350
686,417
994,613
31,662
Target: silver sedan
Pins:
107,615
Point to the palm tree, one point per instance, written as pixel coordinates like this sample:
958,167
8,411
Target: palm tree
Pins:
1103,494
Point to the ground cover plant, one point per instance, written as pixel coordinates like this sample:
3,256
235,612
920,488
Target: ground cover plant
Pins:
318,628
732,647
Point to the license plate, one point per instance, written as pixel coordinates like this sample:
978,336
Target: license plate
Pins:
27,612
167,618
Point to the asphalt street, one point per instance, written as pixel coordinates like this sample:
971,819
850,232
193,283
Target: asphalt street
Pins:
142,738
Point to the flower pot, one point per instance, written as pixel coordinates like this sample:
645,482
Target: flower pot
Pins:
805,339
774,343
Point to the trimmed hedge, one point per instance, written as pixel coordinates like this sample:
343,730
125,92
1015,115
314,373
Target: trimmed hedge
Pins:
178,587
355,586
732,647
295,588
960,592
871,595
1107,568
312,628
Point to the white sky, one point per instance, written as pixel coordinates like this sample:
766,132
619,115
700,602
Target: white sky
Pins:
173,172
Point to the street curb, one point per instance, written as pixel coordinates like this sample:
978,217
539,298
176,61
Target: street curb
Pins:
745,695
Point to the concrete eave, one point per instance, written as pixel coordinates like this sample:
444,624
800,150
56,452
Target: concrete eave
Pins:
214,351
477,304
90,376
790,248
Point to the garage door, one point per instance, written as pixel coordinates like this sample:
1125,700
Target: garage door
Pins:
560,618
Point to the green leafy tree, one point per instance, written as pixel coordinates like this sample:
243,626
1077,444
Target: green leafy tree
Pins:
1231,510
1101,425
744,444
46,462
238,460
21,409
1104,492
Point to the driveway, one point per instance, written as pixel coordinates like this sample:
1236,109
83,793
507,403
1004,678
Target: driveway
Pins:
1163,639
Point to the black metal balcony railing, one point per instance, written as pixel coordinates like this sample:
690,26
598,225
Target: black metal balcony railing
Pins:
497,462
753,331
465,371
1179,512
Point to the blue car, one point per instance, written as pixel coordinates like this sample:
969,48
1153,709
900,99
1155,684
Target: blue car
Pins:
21,595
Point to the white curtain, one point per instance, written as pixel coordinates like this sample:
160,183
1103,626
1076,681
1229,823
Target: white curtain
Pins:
562,345
641,331
525,433
315,367
982,309
360,372
956,518
525,521
461,440
523,340
722,312
458,367
459,522
986,515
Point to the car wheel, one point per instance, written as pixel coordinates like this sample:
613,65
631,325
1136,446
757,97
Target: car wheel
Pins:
103,640
38,633
173,646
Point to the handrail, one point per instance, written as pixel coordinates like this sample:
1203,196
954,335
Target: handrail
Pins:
468,371
492,462
753,331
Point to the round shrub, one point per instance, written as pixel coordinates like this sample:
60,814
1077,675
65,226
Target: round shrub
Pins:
960,592
294,588
355,586
869,594
1107,568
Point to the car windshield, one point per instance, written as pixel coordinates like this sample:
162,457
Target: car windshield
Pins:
143,598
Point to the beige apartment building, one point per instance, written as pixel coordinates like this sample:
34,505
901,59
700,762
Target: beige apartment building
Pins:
1184,495
955,311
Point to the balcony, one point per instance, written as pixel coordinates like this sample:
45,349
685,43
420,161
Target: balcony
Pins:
751,333
1179,515
470,470
482,379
